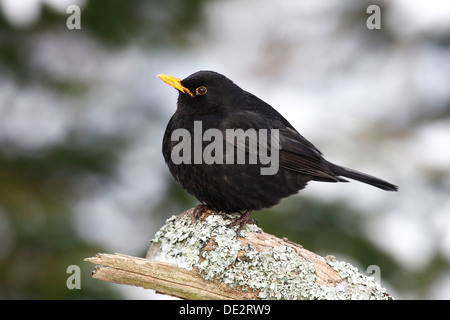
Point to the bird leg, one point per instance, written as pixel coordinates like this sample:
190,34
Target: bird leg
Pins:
241,221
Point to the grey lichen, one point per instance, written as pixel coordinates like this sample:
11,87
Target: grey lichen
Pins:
209,246
360,287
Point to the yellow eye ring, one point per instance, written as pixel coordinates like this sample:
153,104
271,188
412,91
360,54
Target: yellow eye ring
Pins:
201,91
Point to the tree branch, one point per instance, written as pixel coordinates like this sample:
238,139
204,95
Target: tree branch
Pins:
196,256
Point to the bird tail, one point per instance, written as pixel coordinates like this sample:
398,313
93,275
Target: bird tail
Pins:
363,177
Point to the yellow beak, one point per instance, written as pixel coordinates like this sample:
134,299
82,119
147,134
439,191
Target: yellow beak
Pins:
174,82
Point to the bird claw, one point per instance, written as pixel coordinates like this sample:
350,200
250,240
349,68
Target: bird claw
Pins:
200,210
241,221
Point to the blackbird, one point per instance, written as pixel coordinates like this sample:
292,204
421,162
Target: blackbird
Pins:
208,100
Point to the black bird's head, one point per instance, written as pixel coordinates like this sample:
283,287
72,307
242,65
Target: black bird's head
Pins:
204,92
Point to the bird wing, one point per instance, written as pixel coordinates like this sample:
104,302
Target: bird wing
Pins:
300,155
295,152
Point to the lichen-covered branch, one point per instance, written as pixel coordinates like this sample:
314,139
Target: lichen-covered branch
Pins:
199,257
163,277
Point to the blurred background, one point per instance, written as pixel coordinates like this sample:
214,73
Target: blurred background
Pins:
82,116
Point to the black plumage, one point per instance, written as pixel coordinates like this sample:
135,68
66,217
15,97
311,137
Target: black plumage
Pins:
217,103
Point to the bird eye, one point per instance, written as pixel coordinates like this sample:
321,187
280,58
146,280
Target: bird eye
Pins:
201,91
